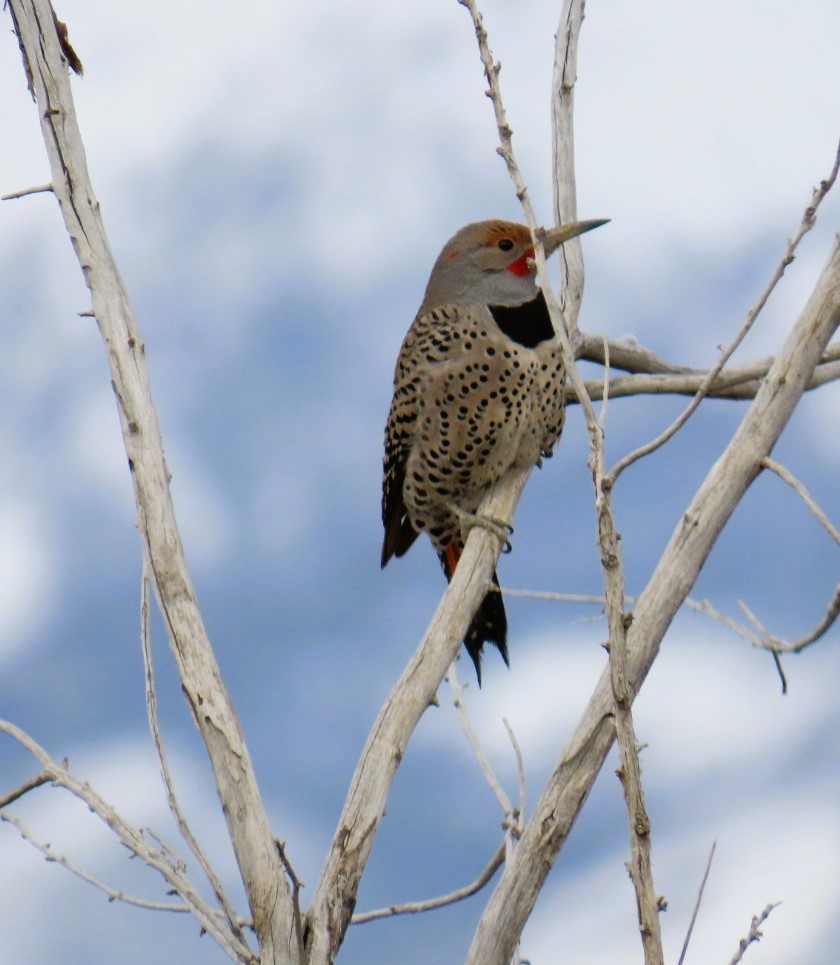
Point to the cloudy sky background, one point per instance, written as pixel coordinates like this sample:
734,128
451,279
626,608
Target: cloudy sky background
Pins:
277,180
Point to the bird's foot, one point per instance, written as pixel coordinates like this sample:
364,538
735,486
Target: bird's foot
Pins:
498,527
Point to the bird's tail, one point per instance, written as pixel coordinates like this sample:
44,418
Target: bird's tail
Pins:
490,622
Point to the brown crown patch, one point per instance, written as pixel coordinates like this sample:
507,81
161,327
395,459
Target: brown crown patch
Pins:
494,231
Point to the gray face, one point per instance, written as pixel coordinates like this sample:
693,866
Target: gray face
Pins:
490,263
485,263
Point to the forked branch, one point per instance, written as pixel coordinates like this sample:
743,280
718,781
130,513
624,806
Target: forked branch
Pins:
160,859
268,892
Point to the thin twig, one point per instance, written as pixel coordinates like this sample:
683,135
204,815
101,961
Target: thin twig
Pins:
134,841
27,191
629,356
166,848
780,670
166,774
648,904
697,903
753,935
520,769
414,907
25,788
475,744
297,884
769,641
808,221
562,597
827,622
737,384
113,893
783,473
706,607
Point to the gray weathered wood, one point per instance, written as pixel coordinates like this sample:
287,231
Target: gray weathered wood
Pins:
729,478
269,895
335,896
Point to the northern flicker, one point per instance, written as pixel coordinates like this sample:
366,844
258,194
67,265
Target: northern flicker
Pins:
478,389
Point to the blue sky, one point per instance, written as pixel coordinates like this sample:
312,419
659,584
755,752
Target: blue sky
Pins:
276,189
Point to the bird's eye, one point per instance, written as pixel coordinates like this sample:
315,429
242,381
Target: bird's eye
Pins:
506,244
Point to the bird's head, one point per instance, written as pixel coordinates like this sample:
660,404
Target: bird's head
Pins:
492,263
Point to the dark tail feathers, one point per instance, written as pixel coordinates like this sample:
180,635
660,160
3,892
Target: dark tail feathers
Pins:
489,626
490,622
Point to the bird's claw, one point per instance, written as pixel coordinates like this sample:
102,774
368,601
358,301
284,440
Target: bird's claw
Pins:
498,527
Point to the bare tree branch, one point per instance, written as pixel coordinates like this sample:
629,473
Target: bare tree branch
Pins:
629,773
625,354
808,222
697,903
564,183
113,893
268,893
157,739
27,786
520,771
332,906
297,884
769,641
513,816
414,907
475,744
131,838
753,935
742,382
648,905
41,189
710,509
807,498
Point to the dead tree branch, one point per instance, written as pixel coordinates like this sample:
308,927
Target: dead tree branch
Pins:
268,893
769,641
807,498
415,907
41,189
38,781
475,745
171,870
166,774
697,903
678,568
331,908
754,934
564,180
738,383
113,894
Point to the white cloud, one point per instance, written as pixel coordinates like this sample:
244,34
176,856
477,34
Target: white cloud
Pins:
27,579
591,911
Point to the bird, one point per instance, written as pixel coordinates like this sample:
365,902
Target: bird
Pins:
478,390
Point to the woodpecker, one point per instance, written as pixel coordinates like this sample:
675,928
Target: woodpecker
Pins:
478,390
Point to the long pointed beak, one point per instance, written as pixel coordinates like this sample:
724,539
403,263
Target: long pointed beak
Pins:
555,237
